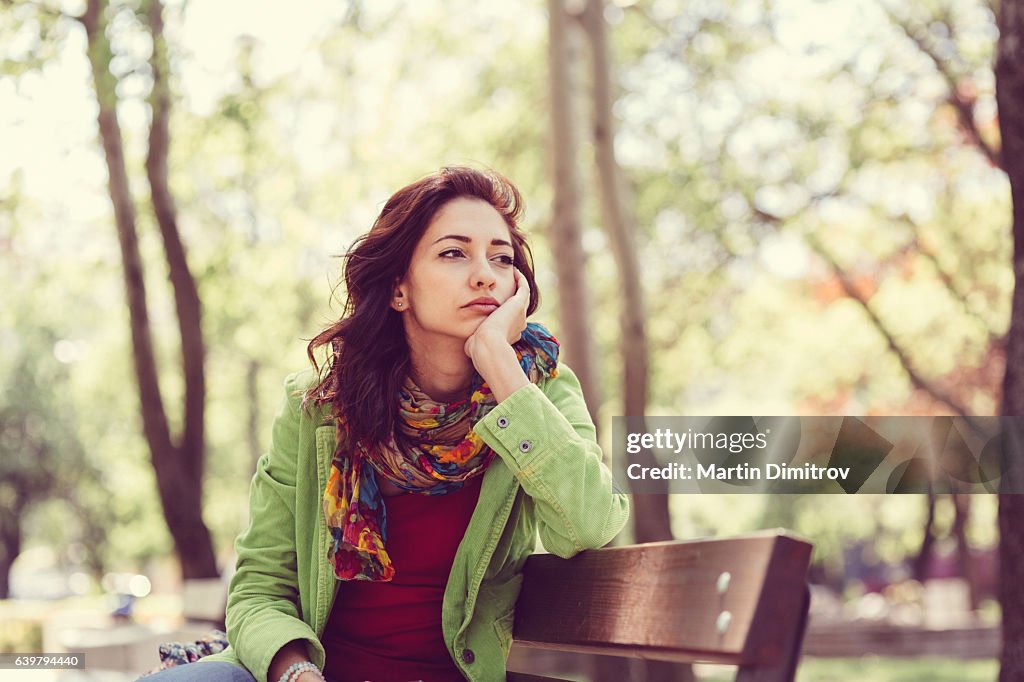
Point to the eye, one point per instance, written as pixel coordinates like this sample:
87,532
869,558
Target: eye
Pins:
452,253
505,259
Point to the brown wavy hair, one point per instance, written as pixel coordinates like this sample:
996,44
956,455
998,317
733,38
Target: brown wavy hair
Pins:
368,353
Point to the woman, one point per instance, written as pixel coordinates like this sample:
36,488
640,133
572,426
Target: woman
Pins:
407,482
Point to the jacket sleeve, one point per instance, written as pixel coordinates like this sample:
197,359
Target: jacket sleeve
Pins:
546,437
262,606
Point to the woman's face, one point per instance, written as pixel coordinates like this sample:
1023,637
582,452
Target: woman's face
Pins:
461,270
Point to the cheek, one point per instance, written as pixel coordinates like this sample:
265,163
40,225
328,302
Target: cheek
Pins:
420,283
506,286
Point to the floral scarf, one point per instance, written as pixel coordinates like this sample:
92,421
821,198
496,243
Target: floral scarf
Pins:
435,452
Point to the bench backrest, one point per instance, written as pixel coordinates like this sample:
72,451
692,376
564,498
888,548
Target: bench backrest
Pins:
739,601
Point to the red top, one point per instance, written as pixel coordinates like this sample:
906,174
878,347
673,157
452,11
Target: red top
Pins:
391,632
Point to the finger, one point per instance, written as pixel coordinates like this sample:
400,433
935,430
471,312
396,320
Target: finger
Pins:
523,286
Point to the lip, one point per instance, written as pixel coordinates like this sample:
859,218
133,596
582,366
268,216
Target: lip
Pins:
483,304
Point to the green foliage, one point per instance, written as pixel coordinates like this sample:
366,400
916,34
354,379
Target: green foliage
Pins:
31,34
18,637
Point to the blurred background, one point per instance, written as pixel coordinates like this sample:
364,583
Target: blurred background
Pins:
736,207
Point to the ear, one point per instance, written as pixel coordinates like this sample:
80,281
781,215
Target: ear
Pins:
399,296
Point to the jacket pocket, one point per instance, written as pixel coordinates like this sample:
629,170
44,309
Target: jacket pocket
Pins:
503,629
498,597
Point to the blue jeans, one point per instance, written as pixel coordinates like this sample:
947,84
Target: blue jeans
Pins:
214,671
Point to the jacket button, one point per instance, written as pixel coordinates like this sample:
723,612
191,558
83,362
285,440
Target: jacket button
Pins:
502,422
524,446
468,656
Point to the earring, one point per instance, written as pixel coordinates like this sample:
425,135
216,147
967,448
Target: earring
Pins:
399,304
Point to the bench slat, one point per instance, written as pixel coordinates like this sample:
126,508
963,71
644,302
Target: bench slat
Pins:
660,601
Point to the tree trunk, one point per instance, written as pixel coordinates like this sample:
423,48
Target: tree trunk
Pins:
650,516
199,559
178,473
1009,72
567,242
618,218
925,552
1011,594
962,506
10,546
566,225
650,512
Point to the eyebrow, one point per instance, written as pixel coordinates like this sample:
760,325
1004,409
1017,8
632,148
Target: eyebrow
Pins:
466,240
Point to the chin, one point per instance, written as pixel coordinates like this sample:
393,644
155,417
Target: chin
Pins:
470,329
460,332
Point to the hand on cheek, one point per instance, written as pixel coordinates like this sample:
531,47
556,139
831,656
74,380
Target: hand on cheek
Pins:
490,346
505,324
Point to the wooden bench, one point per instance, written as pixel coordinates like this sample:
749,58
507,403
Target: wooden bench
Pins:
739,601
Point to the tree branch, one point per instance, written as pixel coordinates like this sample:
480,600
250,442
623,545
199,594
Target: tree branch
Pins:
947,279
851,291
964,108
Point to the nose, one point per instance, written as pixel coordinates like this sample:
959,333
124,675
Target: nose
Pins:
483,276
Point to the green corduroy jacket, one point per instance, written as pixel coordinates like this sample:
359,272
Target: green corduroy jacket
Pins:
548,478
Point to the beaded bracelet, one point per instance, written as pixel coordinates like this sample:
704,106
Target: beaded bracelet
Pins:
296,669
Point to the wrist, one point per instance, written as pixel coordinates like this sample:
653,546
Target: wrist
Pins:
292,653
489,342
302,671
500,369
